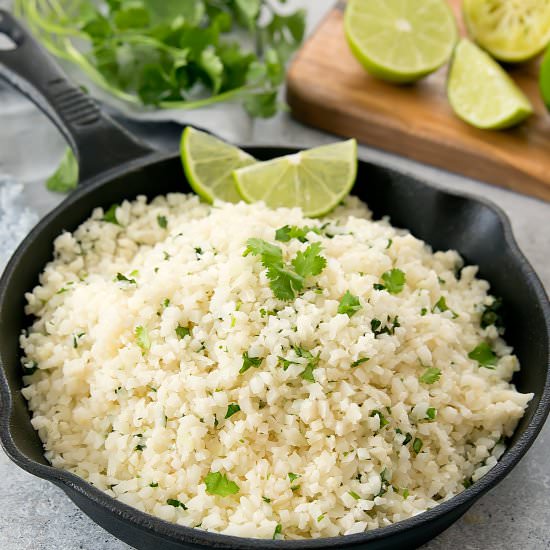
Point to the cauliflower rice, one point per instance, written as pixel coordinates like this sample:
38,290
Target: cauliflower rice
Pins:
137,346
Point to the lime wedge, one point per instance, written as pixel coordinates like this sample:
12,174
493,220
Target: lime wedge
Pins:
545,79
400,40
510,30
315,180
209,163
480,91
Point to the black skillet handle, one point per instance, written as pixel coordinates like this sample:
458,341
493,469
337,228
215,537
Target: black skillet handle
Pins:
98,142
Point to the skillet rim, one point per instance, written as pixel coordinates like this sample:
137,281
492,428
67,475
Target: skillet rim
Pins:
180,534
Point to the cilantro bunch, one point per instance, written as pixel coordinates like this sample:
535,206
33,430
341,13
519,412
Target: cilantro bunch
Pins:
173,53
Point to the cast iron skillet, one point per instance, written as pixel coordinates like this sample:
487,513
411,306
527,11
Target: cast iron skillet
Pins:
114,166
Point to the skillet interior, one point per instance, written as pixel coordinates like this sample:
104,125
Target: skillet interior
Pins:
478,230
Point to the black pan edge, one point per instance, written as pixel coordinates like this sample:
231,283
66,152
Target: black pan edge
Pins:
173,532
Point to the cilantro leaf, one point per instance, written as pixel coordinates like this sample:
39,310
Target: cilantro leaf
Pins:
491,314
394,281
182,332
278,531
288,232
121,277
349,304
65,178
354,495
142,338
218,484
249,362
360,361
430,375
484,355
232,409
173,501
292,477
441,305
383,420
162,221
312,362
110,215
431,413
309,262
417,445
286,363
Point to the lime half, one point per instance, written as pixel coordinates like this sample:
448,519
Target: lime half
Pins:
209,163
480,91
400,40
510,30
315,180
545,79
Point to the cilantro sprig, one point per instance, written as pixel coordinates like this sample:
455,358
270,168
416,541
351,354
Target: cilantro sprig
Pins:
174,53
393,281
218,484
484,356
349,304
286,281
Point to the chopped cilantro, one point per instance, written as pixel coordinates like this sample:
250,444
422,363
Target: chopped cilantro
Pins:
288,232
232,409
359,361
354,495
286,363
166,255
484,355
312,362
390,242
405,493
407,439
430,375
110,215
467,483
121,277
321,517
28,370
393,281
162,221
142,337
417,445
383,420
423,311
295,488
166,302
218,484
153,484
441,305
293,477
431,413
378,329
265,499
492,314
182,332
349,304
176,503
285,282
198,251
249,362
139,447
278,531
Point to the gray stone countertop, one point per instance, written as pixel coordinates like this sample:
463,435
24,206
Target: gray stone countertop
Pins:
35,515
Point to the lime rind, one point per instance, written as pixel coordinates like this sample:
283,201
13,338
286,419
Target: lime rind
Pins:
209,162
482,93
398,41
512,32
315,180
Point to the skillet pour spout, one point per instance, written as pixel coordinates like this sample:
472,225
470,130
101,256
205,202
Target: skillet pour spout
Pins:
114,166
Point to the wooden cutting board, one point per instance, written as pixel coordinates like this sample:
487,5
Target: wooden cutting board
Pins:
329,89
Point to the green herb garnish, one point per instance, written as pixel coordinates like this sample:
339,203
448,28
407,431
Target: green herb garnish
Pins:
349,304
249,362
278,531
110,215
431,413
383,420
182,332
162,221
378,329
65,178
293,477
491,315
142,338
430,375
218,484
232,409
139,447
265,499
393,281
312,362
123,278
176,503
441,305
288,232
153,484
484,355
354,495
360,361
417,445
